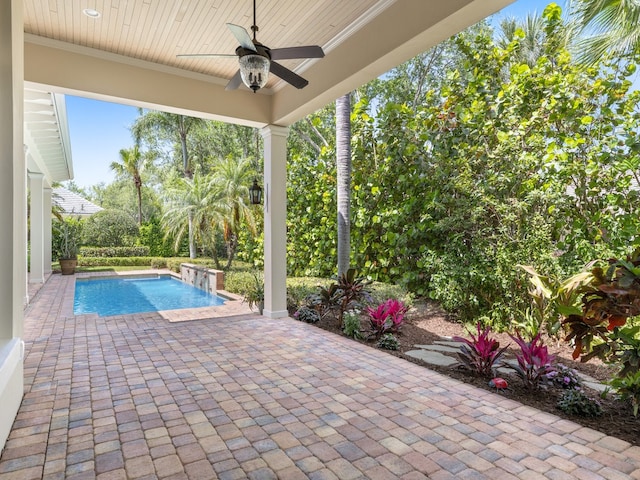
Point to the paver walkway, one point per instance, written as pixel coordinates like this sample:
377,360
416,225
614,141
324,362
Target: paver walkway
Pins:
138,397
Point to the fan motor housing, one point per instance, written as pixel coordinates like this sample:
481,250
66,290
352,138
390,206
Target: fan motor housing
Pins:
260,50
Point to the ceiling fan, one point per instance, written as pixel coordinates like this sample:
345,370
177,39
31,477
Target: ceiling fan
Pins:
257,60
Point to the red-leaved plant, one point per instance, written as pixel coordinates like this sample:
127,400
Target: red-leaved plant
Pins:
388,317
534,361
481,353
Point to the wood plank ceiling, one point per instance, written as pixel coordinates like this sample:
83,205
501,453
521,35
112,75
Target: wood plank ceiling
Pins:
158,30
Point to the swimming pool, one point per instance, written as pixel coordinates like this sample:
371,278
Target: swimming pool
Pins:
122,295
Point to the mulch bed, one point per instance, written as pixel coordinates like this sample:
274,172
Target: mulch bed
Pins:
617,419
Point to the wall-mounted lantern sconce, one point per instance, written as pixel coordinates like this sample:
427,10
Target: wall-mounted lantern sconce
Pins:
255,193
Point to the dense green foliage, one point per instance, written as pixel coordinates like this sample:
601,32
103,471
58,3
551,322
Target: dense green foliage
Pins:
110,228
152,236
505,164
115,251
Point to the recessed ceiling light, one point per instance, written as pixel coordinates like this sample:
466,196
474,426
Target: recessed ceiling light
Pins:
91,13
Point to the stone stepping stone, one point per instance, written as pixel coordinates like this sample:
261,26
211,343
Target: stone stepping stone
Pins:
448,343
439,348
433,357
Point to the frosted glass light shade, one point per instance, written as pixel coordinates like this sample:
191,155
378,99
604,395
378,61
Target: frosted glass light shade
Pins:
254,70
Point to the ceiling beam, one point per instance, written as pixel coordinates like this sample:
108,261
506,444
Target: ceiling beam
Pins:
91,73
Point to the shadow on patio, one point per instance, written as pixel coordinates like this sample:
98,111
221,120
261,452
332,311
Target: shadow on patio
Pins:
136,396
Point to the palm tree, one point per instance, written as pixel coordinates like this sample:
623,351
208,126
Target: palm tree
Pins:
613,27
175,127
531,45
343,163
195,206
533,37
233,178
132,163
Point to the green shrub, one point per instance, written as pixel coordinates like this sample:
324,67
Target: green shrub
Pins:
238,282
158,262
115,252
152,236
307,314
299,289
576,402
388,342
383,291
115,261
352,325
110,228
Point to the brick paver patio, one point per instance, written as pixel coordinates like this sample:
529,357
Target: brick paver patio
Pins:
138,397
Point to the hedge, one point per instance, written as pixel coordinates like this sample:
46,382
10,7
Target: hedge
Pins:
155,262
109,252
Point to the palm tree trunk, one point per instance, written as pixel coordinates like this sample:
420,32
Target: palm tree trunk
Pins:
343,163
139,188
192,246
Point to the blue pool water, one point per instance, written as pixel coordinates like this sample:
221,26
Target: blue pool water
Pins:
117,296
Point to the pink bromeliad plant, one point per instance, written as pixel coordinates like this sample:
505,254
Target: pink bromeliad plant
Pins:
481,353
388,317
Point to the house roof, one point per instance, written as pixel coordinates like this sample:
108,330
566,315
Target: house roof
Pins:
46,135
73,204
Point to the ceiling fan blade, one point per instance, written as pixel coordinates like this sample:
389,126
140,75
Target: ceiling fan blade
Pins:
235,82
308,51
243,37
206,55
287,75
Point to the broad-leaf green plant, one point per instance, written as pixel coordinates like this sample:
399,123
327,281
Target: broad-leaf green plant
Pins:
551,299
352,326
628,387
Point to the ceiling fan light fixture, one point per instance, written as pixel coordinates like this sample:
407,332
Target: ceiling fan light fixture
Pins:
254,70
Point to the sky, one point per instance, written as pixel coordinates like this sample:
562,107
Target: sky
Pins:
99,130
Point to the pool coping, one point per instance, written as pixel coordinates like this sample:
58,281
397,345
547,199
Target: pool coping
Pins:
233,306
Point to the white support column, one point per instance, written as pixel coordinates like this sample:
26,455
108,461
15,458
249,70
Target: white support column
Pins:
275,220
36,264
46,226
13,212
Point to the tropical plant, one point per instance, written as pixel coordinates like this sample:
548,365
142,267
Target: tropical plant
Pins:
481,353
628,388
614,28
534,361
348,293
612,297
197,202
132,163
173,128
388,317
552,299
254,295
66,238
352,325
233,178
577,402
388,341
